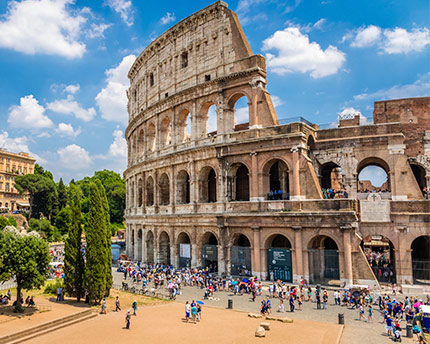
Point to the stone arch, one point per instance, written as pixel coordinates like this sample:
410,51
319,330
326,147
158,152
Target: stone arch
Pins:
238,182
207,119
241,262
184,249
151,135
149,243
380,253
207,185
132,205
164,248
210,252
164,189
183,187
134,147
420,254
141,143
323,255
138,257
149,191
366,185
276,177
165,132
279,258
183,126
239,123
139,193
331,176
277,240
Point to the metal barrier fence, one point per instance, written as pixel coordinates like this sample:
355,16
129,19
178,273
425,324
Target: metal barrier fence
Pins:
7,285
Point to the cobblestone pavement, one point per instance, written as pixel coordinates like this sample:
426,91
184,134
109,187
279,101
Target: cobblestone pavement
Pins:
355,332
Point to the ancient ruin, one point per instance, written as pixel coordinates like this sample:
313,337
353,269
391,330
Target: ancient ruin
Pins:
254,197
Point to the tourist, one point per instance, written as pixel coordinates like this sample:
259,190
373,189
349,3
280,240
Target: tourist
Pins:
281,305
117,306
187,311
194,312
291,304
389,326
127,320
87,297
325,299
361,312
134,305
103,311
199,312
336,296
370,316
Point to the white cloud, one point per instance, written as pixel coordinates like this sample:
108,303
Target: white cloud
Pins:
350,113
42,26
277,101
28,115
297,54
70,106
168,18
17,145
112,100
366,36
400,41
74,157
389,41
244,8
124,8
419,88
118,147
320,23
64,129
72,89
97,30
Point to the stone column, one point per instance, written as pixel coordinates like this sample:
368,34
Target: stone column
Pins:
256,264
306,264
254,194
295,193
228,258
221,260
348,277
194,256
298,254
136,245
128,240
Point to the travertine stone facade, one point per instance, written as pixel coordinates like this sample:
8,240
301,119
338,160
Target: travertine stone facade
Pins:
12,165
199,198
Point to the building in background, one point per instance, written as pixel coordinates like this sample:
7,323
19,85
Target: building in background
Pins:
12,165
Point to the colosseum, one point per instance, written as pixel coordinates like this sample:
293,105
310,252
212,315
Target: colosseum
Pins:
269,198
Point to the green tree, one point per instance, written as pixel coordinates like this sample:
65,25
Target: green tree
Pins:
73,259
39,170
26,258
108,248
12,222
63,220
95,270
62,195
4,221
45,229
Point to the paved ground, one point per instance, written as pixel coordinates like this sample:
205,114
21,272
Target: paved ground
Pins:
355,332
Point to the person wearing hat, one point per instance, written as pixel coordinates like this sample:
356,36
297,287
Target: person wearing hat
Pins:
389,326
127,320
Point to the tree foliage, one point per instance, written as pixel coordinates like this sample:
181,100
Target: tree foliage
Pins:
63,220
45,229
62,195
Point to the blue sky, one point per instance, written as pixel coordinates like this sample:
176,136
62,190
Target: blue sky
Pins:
63,66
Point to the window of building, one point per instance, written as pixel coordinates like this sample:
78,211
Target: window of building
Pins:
25,169
7,168
208,77
7,187
184,60
1,177
7,177
1,186
151,79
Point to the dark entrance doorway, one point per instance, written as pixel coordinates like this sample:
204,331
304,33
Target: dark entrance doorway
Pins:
379,252
210,253
279,260
421,259
420,175
323,260
242,183
184,250
212,186
241,257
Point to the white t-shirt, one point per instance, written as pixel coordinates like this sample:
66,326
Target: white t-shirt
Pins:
188,308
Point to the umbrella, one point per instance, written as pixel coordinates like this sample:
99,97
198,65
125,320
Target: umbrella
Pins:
200,302
245,280
234,282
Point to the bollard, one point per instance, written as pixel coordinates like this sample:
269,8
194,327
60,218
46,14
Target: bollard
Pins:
409,332
341,319
230,304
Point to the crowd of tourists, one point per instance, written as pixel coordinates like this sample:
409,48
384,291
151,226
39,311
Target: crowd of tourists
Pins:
331,193
381,265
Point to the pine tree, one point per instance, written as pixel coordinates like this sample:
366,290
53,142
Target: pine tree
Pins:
62,195
95,270
108,236
73,259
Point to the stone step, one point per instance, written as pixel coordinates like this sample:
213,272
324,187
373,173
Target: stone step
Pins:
52,329
48,325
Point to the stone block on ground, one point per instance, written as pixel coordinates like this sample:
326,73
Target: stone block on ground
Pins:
260,332
254,315
281,319
265,325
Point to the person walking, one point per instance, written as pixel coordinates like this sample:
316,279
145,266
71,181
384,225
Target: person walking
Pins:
103,307
291,303
127,320
370,316
117,305
134,305
361,313
194,313
187,311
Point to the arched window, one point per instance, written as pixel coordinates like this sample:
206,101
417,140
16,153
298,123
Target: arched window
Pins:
151,137
141,143
183,188
238,183
164,189
323,260
239,104
207,120
151,80
207,185
184,126
184,60
139,193
373,176
165,132
149,191
276,180
331,179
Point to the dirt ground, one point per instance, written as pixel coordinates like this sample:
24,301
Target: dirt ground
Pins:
164,323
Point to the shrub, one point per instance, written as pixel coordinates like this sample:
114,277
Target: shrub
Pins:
51,288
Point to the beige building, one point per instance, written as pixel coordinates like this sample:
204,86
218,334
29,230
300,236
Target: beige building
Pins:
203,197
12,165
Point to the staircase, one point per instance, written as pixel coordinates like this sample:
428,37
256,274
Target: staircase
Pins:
48,327
361,270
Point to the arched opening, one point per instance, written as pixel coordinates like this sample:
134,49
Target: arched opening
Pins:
184,126
139,193
323,260
212,125
165,132
373,176
149,191
310,146
239,104
241,256
207,120
141,143
238,183
183,188
210,252
379,252
280,264
331,180
420,176
208,185
184,244
164,189
276,180
421,259
134,148
151,137
132,205
150,248
139,245
164,249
